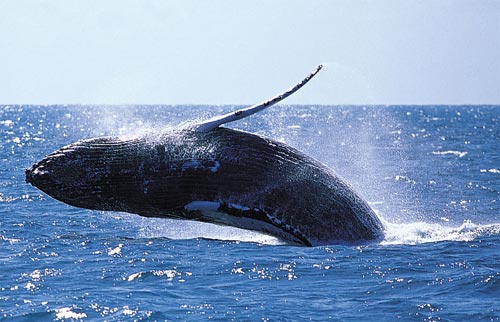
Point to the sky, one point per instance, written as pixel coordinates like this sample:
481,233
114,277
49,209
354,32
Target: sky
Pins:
243,52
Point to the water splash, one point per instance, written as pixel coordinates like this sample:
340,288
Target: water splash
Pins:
422,232
412,233
181,229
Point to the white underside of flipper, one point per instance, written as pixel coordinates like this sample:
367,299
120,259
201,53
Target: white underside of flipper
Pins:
239,114
213,212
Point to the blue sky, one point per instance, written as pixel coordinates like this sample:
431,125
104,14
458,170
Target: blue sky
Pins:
242,52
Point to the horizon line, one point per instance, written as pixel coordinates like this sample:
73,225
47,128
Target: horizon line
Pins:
241,104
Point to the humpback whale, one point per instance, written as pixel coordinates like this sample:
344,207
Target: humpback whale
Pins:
209,173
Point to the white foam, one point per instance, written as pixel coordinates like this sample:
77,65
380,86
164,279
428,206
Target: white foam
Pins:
422,232
497,171
455,153
115,251
395,234
67,313
127,311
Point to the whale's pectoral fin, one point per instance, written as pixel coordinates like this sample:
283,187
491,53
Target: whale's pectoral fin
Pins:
239,114
228,214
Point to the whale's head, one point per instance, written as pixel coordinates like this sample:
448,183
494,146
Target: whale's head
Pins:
72,175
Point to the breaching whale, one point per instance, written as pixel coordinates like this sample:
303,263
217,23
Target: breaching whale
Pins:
209,173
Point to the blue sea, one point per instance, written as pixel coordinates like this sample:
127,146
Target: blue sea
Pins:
432,173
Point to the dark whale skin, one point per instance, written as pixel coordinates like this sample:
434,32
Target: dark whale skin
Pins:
223,176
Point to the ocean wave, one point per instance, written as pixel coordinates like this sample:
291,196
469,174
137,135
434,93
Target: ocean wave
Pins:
422,232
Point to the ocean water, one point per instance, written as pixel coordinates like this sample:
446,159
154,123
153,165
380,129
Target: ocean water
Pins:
432,173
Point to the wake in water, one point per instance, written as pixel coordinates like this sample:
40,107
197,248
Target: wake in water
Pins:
412,233
422,232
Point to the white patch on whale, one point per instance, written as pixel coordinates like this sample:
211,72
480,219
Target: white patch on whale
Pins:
210,210
202,206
